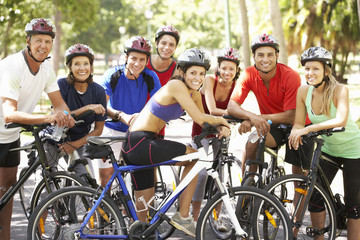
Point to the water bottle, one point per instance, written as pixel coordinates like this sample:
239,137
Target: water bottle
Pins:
253,137
58,132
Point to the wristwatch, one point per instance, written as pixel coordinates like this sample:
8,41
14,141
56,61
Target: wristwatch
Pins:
117,115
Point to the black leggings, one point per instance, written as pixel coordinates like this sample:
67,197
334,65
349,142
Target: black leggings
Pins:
351,176
146,148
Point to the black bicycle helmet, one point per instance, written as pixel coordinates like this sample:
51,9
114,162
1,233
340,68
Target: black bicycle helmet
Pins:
193,57
138,44
167,30
264,40
229,54
79,50
40,26
317,54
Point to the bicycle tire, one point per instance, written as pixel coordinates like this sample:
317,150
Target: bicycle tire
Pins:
245,216
66,209
165,230
283,189
40,191
25,193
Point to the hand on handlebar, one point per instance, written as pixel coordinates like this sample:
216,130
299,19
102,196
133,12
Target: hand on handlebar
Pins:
223,131
245,126
295,137
97,108
262,126
62,119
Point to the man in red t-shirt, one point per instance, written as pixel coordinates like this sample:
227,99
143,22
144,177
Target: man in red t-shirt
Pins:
162,63
275,86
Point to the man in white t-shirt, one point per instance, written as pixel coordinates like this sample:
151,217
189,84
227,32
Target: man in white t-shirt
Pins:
23,78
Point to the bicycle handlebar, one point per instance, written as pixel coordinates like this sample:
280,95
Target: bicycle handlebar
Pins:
206,131
40,126
326,132
233,119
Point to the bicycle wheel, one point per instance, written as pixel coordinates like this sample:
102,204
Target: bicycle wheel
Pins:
249,219
25,193
57,180
165,230
284,189
62,212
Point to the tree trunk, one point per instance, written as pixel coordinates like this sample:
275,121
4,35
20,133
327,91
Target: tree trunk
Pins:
56,55
276,20
5,49
358,8
245,42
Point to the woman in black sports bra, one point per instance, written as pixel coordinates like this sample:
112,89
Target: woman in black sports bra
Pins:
144,147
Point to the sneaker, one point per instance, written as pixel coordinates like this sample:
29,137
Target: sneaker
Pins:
220,225
187,225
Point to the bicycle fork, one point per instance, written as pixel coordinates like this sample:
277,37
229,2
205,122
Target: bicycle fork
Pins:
226,200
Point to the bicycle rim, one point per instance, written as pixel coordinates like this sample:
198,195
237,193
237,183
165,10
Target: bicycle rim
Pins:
25,193
60,215
57,180
283,188
165,230
214,213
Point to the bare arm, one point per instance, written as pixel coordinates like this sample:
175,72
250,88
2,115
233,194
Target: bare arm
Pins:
179,91
69,147
209,85
60,106
11,114
341,99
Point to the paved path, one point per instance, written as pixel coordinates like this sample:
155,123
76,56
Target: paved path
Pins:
177,130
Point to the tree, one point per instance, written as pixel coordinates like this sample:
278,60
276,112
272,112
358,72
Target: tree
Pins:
276,20
13,17
245,33
358,8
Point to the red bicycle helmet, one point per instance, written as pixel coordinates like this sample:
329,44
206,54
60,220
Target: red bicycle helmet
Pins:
167,30
264,40
40,26
79,50
229,54
138,44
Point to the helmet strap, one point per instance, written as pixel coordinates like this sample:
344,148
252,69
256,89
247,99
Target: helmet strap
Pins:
30,54
131,74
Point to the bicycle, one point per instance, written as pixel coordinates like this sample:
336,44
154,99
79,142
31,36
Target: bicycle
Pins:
296,191
82,212
268,171
34,188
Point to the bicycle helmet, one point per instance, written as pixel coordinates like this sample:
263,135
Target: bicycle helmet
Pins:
229,54
79,50
167,30
264,40
138,44
317,54
40,26
193,56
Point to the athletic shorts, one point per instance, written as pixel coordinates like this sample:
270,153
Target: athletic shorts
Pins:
9,159
301,157
146,148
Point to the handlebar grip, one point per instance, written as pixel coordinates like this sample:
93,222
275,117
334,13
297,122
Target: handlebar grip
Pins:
230,118
83,115
13,125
